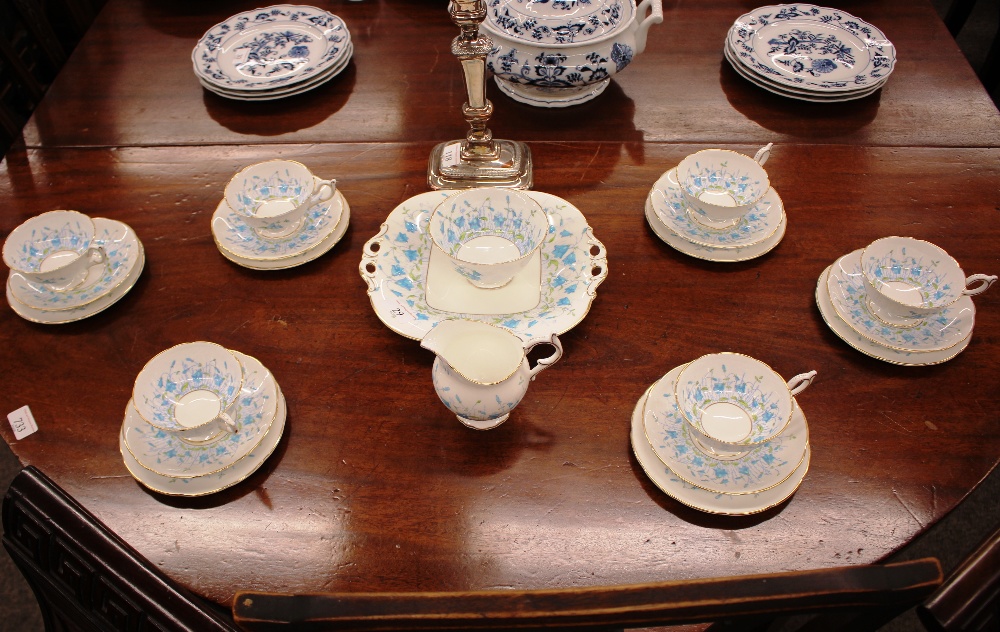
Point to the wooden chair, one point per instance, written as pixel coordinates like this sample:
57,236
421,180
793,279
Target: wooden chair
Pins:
853,598
86,578
969,599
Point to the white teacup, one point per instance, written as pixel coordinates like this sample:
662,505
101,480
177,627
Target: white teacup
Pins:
909,279
489,233
190,390
54,249
721,186
273,197
735,403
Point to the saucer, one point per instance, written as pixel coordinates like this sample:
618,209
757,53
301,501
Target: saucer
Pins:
284,91
47,317
708,253
702,499
239,243
758,225
939,332
165,454
875,350
762,468
448,291
267,48
395,262
122,249
217,481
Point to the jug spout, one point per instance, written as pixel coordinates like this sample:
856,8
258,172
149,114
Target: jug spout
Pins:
479,352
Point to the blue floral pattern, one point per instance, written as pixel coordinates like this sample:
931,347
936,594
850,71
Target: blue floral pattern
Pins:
673,442
759,223
720,177
455,224
122,249
442,374
923,274
54,236
556,27
176,373
395,262
164,453
837,52
269,48
550,69
848,294
237,237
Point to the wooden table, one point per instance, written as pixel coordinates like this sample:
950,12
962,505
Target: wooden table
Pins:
375,486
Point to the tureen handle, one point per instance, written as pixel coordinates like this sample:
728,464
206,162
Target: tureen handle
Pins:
546,362
655,17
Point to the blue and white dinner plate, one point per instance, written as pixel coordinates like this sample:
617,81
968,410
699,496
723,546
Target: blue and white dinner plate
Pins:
284,91
813,48
270,47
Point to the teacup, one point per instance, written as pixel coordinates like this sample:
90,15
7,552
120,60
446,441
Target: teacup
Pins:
907,279
721,186
54,249
489,233
734,402
273,197
190,390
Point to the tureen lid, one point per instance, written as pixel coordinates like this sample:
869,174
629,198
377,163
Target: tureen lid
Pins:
558,21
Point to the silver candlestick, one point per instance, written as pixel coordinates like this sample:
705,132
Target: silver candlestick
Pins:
480,159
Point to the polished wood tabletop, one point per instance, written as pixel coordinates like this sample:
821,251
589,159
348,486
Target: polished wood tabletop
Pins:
375,485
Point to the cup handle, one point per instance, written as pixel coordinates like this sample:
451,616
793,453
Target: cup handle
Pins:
228,422
544,363
984,281
97,255
655,17
763,154
800,382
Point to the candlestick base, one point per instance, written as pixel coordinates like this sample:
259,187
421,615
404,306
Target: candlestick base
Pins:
449,168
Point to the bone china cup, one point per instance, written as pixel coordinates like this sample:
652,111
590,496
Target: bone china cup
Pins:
735,402
489,233
54,249
272,197
907,278
189,390
721,185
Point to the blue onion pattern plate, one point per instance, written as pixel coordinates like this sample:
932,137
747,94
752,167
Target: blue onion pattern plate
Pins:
760,469
558,22
164,453
760,223
395,261
818,48
939,332
234,236
270,47
702,499
122,248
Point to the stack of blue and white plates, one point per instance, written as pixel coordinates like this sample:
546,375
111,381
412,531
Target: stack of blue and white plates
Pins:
271,53
810,53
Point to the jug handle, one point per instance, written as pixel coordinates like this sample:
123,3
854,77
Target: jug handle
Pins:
655,17
545,362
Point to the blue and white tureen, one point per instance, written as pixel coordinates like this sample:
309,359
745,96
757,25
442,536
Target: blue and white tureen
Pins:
557,53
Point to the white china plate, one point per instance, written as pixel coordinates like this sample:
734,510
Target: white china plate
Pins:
869,348
79,313
121,245
720,255
210,483
549,97
394,264
807,46
163,453
761,469
702,499
270,47
801,95
760,223
236,237
333,235
938,333
288,91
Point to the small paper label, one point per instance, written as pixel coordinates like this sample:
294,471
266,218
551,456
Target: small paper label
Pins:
22,421
452,155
